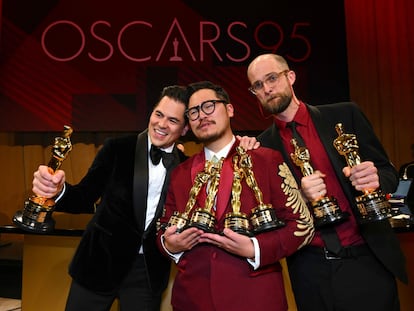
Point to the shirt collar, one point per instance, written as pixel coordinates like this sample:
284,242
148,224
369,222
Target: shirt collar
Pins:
222,153
301,117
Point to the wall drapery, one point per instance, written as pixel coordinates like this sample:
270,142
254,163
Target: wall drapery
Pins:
381,69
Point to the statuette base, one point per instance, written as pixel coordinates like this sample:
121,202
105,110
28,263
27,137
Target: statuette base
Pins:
373,207
203,219
327,212
264,218
238,222
35,217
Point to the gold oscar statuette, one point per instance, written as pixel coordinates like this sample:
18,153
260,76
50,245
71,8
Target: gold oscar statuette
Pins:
263,216
237,220
325,209
37,213
204,219
373,204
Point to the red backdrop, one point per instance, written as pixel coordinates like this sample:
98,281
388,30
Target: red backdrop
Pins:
100,65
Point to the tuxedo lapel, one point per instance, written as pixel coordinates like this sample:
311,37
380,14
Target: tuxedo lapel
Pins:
140,185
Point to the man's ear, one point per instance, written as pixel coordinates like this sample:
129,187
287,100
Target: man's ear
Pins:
185,130
291,75
230,110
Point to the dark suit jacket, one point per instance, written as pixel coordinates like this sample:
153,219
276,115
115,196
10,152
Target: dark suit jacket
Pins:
110,243
208,276
378,235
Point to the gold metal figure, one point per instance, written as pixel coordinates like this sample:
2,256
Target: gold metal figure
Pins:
200,180
347,145
373,204
236,187
37,213
325,209
214,171
202,217
301,157
247,165
236,220
263,216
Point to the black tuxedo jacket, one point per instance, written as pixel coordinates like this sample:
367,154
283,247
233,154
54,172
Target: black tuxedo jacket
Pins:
378,235
118,177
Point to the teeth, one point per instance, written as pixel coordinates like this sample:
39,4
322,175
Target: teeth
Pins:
161,133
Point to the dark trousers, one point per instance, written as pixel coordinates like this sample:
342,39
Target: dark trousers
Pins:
357,283
134,294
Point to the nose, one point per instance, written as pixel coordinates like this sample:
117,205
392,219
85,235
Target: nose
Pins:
162,122
202,114
267,87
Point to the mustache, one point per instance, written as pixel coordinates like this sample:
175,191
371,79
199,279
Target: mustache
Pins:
204,122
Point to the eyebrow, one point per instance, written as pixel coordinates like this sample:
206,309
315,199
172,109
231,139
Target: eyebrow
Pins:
175,119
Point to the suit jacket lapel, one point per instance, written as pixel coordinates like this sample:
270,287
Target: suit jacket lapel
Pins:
277,144
140,184
164,190
196,167
226,182
324,130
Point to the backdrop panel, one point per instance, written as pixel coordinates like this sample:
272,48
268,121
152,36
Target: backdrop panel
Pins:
100,65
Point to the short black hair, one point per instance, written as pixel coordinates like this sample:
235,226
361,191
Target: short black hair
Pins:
196,86
176,92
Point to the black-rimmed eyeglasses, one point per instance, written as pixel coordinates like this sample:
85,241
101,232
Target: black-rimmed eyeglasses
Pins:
270,79
207,107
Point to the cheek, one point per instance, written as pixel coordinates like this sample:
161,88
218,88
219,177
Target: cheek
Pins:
152,120
260,97
176,132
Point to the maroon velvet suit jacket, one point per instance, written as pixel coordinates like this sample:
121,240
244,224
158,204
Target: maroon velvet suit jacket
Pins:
209,278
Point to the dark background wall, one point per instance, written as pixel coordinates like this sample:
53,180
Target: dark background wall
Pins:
100,65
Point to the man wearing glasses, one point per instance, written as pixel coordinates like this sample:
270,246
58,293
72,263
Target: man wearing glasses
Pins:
219,268
360,273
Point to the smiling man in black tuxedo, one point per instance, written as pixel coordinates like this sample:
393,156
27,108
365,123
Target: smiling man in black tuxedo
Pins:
117,256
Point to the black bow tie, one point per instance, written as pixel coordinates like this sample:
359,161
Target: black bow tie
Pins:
156,154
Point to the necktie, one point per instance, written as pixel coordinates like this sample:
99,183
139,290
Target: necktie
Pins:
295,134
157,154
328,233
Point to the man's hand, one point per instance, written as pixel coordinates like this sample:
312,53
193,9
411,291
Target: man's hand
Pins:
230,241
46,183
179,242
364,176
313,186
248,143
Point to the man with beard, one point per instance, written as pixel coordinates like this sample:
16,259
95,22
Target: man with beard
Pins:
219,268
359,274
